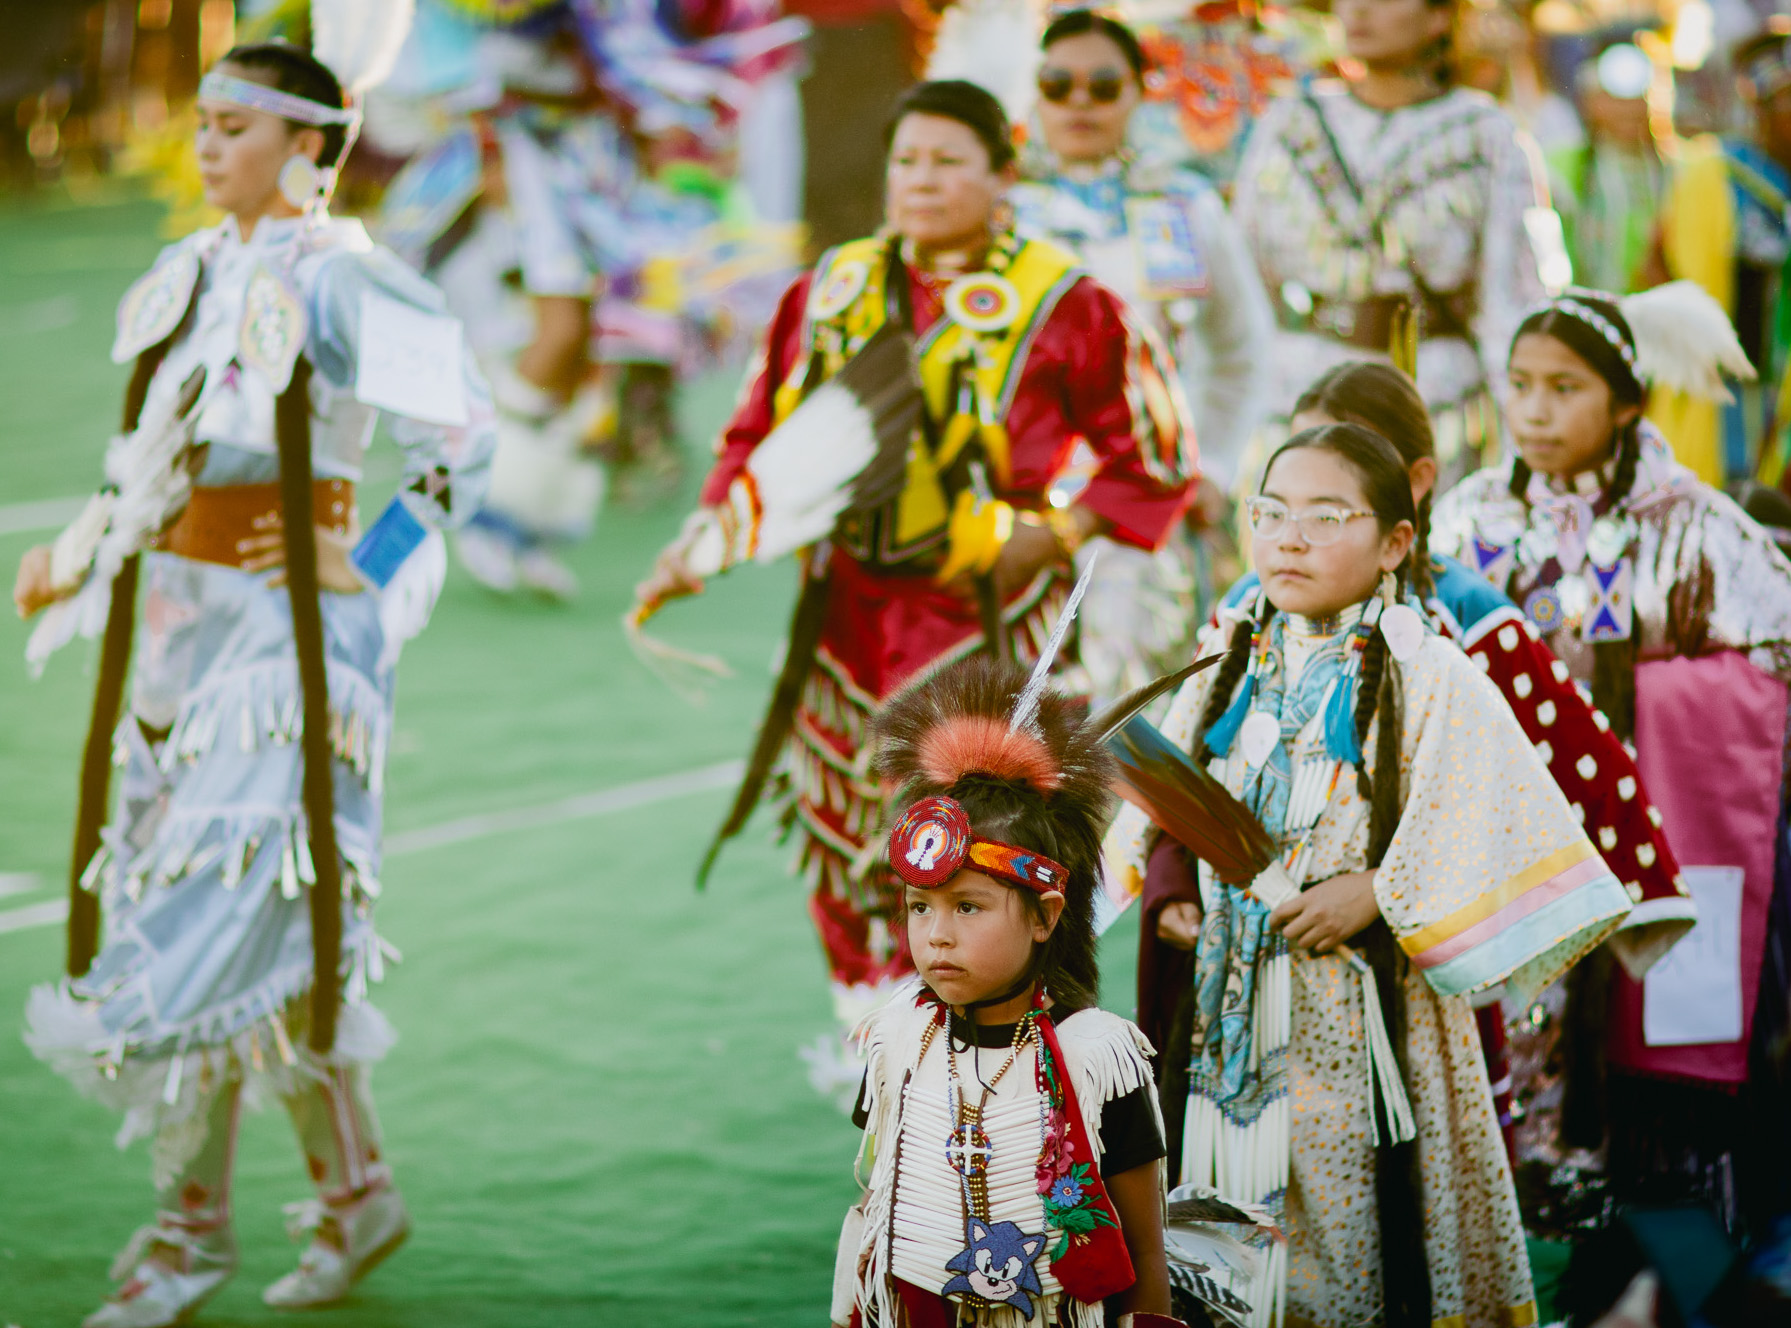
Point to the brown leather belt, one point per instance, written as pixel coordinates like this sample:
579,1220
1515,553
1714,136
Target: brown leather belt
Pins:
1369,323
216,520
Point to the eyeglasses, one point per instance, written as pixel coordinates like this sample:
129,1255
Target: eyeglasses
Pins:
1318,526
1105,86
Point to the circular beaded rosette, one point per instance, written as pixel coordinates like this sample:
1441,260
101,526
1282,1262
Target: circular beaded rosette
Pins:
931,842
1543,607
837,291
982,302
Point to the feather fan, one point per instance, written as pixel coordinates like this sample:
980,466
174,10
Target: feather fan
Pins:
1185,801
1684,340
844,449
360,39
1111,718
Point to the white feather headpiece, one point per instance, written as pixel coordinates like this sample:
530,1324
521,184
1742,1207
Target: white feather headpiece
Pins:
360,39
1684,340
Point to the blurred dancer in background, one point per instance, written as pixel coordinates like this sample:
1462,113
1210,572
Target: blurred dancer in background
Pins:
569,162
1397,192
1726,224
1157,234
1674,609
1215,67
240,872
1608,186
1020,354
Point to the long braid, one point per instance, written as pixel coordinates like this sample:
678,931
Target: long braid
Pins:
1405,1270
1422,585
1614,662
1224,684
1629,458
1520,481
1383,809
1368,688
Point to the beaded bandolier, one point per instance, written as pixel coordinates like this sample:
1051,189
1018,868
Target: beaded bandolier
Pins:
969,364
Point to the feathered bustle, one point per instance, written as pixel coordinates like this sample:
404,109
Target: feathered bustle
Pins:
360,39
1684,340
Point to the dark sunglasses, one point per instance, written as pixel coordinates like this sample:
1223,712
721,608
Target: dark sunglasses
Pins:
1105,86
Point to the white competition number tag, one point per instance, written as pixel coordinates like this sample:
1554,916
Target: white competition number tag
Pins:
410,362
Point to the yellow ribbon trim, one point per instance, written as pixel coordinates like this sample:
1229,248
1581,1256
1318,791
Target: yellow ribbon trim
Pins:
1494,900
985,362
977,531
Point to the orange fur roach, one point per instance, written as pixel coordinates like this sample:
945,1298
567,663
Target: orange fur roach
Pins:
985,745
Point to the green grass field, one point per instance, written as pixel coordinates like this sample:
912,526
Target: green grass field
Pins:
596,1110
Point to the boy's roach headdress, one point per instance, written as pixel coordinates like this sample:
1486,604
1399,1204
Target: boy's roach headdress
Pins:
978,724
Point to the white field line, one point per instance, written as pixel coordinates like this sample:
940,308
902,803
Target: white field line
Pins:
46,914
45,514
600,803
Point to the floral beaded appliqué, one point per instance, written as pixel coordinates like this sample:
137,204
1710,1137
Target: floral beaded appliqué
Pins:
1071,1198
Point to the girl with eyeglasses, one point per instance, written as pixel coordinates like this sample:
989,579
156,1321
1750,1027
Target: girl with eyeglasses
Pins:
1159,235
1423,832
1467,609
1396,194
1674,609
1020,354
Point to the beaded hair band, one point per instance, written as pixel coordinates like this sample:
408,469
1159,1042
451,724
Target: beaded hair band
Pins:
1605,328
932,843
218,86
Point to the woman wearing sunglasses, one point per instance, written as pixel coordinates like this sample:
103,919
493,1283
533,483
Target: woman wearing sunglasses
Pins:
1158,234
1020,355
1396,192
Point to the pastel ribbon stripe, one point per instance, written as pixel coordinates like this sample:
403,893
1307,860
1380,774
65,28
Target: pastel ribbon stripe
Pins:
1483,942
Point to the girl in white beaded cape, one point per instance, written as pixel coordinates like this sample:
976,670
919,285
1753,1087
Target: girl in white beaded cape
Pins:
1024,1188
1448,860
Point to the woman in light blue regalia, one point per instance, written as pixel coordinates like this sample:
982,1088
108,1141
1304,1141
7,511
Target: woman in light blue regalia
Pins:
1157,233
265,347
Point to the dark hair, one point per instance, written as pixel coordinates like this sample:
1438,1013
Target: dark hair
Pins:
955,99
1076,22
1613,662
1387,486
1013,814
1442,50
302,74
1384,399
1065,823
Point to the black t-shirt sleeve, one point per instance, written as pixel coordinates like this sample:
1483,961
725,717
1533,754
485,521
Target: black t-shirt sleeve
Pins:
1130,1136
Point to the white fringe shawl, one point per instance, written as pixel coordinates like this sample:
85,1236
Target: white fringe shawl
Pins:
1105,1056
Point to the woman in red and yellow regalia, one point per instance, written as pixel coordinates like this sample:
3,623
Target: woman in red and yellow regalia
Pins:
1050,415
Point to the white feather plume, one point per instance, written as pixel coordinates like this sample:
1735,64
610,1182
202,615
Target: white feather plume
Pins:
994,44
1026,705
360,39
1684,340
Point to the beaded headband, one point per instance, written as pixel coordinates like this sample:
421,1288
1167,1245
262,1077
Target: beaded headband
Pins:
1768,71
1605,328
932,843
217,86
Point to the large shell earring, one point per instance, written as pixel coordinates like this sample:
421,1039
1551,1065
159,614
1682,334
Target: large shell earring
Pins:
300,181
